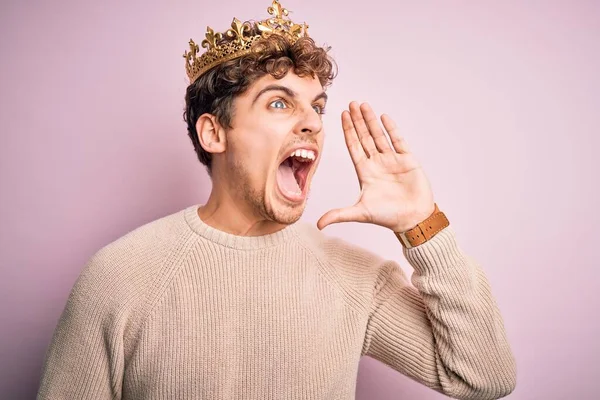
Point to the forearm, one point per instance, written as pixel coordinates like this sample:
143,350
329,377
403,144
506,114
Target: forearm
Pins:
470,339
444,331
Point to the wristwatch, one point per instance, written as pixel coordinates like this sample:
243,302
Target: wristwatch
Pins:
424,230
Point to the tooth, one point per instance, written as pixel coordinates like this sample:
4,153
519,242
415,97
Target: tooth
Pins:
293,153
311,154
303,153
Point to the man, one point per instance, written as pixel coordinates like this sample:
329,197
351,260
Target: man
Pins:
235,299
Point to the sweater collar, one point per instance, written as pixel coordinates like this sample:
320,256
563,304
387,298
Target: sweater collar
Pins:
235,241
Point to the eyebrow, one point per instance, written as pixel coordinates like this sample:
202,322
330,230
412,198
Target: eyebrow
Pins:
287,91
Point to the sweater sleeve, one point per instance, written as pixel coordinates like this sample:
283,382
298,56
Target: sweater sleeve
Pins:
85,357
446,331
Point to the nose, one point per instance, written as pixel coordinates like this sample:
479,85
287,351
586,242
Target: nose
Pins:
309,123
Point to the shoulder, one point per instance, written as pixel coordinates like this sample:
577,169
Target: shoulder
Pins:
336,249
357,270
125,269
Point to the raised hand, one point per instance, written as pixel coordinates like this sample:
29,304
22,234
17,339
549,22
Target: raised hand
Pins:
394,191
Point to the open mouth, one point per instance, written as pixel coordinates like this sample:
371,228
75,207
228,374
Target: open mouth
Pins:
293,172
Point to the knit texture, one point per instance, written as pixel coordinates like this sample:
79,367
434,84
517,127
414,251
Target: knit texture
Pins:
176,309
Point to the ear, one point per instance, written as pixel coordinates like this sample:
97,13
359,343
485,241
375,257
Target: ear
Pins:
211,134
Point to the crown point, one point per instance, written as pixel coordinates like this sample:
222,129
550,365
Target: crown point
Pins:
276,10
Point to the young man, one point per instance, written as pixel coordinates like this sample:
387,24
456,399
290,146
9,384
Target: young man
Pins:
235,299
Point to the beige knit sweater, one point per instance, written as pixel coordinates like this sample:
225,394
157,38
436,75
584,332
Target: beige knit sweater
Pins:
179,310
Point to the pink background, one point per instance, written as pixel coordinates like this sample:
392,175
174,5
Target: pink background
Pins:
499,100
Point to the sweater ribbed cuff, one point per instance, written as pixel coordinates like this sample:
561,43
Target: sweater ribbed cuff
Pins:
437,254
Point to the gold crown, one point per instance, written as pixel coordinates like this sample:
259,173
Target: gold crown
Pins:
238,40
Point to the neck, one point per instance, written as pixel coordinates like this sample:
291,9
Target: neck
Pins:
229,214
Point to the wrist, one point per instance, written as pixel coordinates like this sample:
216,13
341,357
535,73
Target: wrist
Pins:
414,222
424,230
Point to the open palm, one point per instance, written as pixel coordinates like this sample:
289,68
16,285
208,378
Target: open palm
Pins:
395,193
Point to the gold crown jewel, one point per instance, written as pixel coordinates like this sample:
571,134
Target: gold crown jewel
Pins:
238,40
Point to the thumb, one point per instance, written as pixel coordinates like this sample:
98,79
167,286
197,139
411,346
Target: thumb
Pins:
348,214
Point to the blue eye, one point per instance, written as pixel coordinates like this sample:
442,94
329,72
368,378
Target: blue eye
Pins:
278,104
319,109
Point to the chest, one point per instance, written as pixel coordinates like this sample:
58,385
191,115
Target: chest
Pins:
283,330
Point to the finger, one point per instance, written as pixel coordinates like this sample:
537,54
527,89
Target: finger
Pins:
380,138
398,141
362,130
356,150
348,214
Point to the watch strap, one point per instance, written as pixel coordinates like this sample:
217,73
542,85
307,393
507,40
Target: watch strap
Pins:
424,230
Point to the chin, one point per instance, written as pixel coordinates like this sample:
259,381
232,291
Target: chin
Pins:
284,211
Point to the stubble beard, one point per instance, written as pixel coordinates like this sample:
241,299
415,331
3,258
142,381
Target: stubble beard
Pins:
256,199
